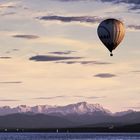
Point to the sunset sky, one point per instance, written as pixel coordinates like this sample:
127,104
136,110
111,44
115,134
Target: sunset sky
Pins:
50,53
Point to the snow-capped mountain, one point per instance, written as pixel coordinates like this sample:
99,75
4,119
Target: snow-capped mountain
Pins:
78,108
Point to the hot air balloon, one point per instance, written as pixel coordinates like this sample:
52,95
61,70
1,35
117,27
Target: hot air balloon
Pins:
111,32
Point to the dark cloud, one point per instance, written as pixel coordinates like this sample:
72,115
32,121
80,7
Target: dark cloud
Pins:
26,36
134,4
135,27
89,19
71,0
8,100
84,62
51,58
5,57
135,7
105,75
11,82
62,52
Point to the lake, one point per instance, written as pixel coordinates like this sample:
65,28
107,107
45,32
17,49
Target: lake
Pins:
69,136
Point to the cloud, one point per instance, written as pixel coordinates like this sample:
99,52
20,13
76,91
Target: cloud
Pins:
96,97
8,13
62,52
69,0
51,58
5,57
62,96
82,19
87,19
11,82
8,100
104,75
134,4
136,71
4,6
7,52
94,62
84,62
135,27
73,0
26,36
90,97
8,5
15,49
49,98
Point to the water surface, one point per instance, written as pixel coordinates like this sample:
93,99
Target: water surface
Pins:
69,136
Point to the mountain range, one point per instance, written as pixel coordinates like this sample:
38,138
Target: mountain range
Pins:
78,108
80,114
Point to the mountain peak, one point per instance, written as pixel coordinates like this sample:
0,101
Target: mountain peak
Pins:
81,103
82,108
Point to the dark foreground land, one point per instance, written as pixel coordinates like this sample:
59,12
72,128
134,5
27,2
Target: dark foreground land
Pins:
74,123
123,129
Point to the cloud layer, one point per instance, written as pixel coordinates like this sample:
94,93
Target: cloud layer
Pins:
11,82
84,62
26,36
135,4
135,27
87,19
82,19
62,97
51,58
105,75
8,100
136,71
62,52
5,57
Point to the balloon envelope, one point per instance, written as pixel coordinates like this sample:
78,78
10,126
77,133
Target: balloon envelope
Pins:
111,32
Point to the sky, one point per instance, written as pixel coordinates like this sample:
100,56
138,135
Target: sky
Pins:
50,53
